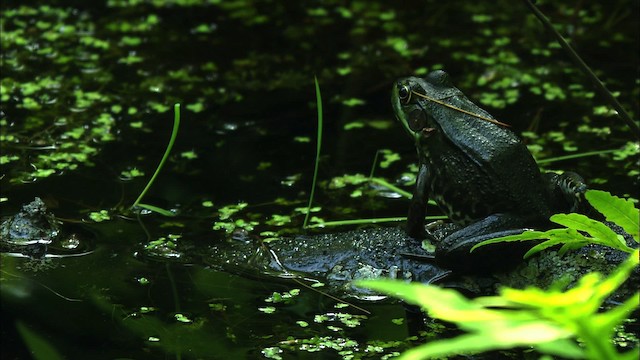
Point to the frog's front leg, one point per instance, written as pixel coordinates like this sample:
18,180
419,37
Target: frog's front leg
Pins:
418,207
453,252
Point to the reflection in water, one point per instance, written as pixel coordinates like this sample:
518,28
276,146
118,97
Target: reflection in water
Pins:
83,306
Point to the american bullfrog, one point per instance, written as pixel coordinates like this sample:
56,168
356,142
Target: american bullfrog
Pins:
478,172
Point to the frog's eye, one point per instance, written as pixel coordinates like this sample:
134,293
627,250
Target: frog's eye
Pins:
404,93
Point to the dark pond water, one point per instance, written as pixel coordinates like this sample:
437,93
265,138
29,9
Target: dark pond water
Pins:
87,94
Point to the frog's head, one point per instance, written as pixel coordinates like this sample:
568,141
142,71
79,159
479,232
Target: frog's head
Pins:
412,100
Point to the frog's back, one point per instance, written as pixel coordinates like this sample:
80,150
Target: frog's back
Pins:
484,170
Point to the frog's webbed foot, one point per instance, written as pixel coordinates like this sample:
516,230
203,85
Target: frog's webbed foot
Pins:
453,252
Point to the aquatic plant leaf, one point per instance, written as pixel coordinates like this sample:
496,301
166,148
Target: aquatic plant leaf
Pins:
614,317
545,319
156,209
617,210
385,183
571,239
572,236
318,148
630,355
562,347
489,328
578,308
39,348
601,233
172,139
525,236
353,102
465,344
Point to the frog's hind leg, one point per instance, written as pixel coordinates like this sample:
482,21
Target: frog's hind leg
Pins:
453,252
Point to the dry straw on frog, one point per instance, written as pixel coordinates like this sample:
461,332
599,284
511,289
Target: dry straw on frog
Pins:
494,121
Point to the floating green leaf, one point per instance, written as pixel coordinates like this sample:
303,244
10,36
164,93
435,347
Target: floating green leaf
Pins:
353,102
267,309
100,216
183,318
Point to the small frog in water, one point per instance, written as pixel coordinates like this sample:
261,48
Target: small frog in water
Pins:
478,172
34,232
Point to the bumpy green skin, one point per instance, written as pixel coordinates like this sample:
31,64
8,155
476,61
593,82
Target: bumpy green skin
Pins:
479,173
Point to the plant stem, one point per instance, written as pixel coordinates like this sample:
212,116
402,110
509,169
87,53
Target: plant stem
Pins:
576,156
174,134
600,87
391,187
318,143
369,221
